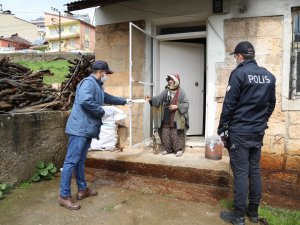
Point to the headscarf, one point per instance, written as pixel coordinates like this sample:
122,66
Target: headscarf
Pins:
172,90
176,78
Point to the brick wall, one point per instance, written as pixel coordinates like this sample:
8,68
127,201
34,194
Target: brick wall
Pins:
281,150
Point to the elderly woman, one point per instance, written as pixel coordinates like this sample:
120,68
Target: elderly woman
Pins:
170,114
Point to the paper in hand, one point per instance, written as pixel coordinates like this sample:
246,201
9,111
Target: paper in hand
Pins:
139,100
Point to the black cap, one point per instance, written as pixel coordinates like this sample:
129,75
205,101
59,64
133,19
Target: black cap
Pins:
244,47
101,65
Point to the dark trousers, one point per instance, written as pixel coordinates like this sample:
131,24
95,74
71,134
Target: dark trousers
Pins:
245,151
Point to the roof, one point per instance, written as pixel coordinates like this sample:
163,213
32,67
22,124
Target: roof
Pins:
16,39
70,18
84,4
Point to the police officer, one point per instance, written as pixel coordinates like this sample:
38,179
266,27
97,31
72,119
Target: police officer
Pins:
248,104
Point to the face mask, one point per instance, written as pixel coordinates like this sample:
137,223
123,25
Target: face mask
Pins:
104,78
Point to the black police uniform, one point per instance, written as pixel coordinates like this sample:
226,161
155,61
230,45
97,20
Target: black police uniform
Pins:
249,102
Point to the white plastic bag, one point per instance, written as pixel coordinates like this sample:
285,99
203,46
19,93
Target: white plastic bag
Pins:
108,136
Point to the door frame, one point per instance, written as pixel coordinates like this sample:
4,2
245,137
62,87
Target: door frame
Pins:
156,51
145,83
190,71
156,61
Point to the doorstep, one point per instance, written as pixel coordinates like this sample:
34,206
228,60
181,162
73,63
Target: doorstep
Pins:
191,167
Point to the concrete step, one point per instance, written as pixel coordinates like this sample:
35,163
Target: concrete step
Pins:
191,167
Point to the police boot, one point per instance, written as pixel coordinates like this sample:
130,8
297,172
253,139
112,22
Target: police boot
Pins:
232,217
252,212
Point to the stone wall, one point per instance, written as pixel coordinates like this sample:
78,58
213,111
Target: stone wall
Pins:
28,138
39,57
112,45
281,150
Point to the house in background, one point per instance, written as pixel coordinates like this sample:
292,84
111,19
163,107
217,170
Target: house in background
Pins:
194,38
14,42
66,34
40,23
9,24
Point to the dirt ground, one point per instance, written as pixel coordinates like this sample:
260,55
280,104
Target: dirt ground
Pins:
116,204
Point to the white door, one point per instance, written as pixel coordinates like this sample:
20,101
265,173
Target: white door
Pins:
186,59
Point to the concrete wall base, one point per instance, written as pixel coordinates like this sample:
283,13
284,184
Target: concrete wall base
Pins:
28,138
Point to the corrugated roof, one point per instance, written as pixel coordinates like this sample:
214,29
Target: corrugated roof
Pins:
84,4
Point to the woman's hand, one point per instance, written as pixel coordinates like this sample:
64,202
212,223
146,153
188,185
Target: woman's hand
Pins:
147,98
173,107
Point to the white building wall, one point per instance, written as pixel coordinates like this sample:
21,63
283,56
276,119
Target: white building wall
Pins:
9,25
159,12
151,10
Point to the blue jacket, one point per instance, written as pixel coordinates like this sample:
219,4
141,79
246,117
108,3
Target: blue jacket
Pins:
250,99
85,118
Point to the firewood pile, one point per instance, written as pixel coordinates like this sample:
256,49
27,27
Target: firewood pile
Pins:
81,68
22,90
20,87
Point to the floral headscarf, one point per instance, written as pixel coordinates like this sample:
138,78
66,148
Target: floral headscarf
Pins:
176,79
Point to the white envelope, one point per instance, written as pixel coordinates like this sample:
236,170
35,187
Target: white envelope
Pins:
138,100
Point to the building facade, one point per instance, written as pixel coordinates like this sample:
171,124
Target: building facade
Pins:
9,25
194,38
74,35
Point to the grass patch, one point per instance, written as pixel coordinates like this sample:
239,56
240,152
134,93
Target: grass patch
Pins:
60,68
108,208
274,216
225,203
25,185
115,206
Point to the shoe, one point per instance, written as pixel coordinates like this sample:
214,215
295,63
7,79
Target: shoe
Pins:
164,153
231,217
179,153
253,216
86,193
68,203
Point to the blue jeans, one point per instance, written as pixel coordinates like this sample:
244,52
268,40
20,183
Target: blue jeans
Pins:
75,158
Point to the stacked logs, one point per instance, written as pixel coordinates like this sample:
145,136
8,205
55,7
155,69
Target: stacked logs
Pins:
24,90
20,87
81,68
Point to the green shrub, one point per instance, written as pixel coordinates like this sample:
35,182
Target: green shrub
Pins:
4,189
44,171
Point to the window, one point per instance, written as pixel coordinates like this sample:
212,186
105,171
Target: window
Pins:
87,30
72,29
55,45
53,32
295,58
86,44
72,43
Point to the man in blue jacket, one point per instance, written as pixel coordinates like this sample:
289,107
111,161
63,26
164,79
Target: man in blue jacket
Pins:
248,104
84,124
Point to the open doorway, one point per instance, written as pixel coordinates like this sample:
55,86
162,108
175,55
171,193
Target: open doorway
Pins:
182,49
187,58
173,52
